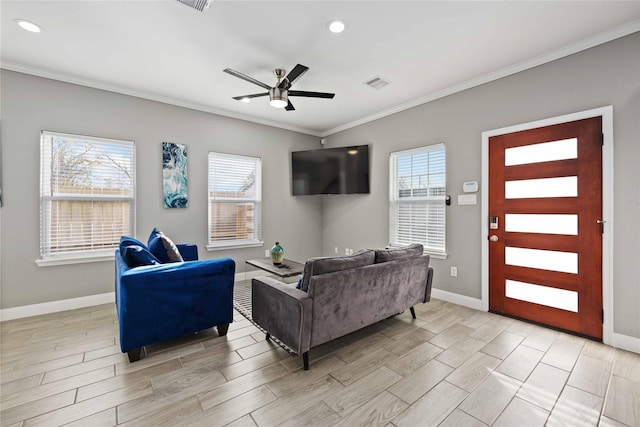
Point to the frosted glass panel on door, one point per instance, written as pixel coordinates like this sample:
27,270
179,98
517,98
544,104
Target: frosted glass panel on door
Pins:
566,262
545,187
551,297
544,152
541,223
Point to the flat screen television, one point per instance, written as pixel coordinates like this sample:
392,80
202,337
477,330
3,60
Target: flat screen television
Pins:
342,170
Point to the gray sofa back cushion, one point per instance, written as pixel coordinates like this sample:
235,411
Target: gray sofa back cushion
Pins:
324,265
385,255
348,300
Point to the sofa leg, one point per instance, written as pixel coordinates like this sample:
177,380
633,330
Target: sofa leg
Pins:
266,337
222,329
305,360
413,313
134,355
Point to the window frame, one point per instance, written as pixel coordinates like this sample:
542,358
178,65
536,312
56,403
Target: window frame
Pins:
49,258
395,201
257,201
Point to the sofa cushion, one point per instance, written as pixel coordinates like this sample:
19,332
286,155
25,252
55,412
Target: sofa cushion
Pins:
324,265
136,255
384,255
163,248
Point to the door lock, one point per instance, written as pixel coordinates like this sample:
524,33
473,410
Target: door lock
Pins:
493,238
493,223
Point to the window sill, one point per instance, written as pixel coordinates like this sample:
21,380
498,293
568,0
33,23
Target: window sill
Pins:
67,260
234,245
437,255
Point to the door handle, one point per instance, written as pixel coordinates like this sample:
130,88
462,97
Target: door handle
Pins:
493,238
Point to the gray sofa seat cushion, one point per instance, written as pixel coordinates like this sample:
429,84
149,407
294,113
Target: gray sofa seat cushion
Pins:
324,265
385,255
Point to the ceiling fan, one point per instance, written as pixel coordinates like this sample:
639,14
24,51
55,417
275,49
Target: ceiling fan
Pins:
280,93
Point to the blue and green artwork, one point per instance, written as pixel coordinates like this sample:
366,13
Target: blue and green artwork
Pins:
174,175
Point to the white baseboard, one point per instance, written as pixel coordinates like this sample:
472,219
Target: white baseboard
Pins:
241,277
453,298
626,342
55,306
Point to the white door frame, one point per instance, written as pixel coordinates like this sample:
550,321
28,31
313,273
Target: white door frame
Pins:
607,205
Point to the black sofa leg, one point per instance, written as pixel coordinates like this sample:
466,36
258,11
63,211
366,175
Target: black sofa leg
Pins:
266,337
413,313
305,360
222,329
134,355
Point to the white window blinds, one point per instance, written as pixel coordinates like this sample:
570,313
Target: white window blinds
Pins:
235,195
417,198
87,194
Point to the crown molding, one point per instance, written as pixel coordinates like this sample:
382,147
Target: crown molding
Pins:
570,49
123,90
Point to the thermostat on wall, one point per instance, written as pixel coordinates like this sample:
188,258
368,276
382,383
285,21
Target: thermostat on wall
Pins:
470,187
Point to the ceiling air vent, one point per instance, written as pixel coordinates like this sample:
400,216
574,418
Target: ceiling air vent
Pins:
377,82
200,5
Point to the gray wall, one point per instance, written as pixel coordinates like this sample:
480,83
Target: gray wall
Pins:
605,75
31,104
308,226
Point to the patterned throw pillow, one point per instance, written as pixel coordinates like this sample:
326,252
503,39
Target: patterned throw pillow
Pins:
129,241
163,248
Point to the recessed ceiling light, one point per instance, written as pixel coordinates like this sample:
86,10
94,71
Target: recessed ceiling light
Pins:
336,25
27,25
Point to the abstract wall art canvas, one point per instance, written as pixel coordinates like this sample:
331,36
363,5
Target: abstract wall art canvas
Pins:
174,175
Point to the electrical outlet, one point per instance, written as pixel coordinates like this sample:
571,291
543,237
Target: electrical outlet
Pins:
335,249
266,252
346,251
454,271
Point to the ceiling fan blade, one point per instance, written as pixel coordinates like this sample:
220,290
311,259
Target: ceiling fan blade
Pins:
294,74
246,78
289,106
311,94
255,95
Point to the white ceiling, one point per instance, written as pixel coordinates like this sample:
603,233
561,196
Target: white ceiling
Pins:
166,51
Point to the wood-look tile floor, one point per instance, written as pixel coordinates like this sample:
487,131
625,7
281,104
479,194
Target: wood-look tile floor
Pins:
452,366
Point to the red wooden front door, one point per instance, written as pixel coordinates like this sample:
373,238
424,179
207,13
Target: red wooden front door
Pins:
545,235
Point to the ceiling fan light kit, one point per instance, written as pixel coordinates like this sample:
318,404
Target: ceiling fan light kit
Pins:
280,93
278,97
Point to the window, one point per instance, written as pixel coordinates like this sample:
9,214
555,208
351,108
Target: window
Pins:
417,198
235,194
87,195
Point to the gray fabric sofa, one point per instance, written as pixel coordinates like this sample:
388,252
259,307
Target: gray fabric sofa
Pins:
340,295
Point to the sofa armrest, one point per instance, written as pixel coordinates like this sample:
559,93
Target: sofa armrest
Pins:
188,251
427,296
283,311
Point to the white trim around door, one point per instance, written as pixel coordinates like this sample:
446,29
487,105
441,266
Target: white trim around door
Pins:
607,205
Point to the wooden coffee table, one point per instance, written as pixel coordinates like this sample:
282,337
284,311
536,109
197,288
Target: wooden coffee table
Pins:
286,269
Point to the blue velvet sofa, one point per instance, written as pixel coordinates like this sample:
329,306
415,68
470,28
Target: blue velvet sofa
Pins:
162,301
